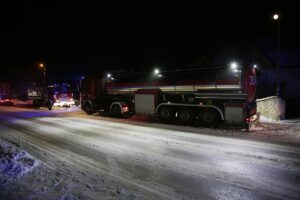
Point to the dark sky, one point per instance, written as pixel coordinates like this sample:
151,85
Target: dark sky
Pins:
76,37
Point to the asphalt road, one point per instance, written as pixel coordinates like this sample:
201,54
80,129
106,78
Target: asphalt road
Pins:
157,159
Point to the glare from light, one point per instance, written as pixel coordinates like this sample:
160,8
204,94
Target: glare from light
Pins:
275,16
233,65
156,71
41,65
108,75
254,66
159,75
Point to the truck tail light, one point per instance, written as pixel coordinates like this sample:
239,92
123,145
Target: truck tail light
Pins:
125,108
247,120
253,118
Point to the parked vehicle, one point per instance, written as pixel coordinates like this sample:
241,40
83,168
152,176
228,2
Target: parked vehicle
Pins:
54,95
5,95
40,97
6,100
209,95
62,95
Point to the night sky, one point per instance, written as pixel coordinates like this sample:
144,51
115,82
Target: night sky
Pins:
74,38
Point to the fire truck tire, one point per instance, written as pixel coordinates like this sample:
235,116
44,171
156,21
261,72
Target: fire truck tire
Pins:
116,111
209,117
49,105
166,113
88,108
186,115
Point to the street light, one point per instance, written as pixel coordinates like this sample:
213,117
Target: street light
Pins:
42,66
156,73
233,65
276,18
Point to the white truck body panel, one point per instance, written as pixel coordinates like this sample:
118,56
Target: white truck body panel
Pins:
145,104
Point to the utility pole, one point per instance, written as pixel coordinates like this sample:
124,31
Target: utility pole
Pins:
276,18
44,73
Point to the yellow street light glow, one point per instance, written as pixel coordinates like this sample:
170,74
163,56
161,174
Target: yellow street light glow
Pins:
41,65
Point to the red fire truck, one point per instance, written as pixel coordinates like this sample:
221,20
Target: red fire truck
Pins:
54,95
208,95
5,95
62,95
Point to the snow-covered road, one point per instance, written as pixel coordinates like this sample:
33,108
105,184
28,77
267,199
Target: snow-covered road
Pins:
144,160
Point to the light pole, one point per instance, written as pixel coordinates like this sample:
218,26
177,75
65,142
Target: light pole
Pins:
276,18
42,66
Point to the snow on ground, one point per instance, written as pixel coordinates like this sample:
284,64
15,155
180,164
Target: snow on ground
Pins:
267,130
14,162
282,131
264,119
24,177
94,157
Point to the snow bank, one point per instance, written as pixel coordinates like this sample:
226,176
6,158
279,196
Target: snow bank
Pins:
264,119
14,163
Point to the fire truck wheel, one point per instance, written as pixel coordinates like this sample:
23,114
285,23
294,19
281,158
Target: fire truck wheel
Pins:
49,105
209,117
166,113
88,108
116,110
186,115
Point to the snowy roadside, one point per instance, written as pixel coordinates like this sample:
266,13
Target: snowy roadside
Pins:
23,176
279,132
282,131
285,121
14,163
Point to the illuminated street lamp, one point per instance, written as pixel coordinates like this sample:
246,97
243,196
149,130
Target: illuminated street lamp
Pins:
42,66
233,65
276,18
156,71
